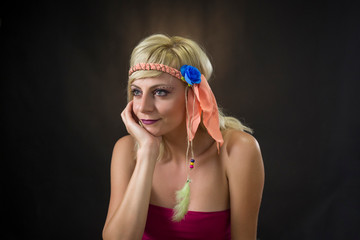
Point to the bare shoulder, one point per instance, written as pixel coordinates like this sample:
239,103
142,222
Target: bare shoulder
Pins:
241,153
124,145
123,152
236,141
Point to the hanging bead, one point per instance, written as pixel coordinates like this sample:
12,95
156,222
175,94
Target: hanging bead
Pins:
192,161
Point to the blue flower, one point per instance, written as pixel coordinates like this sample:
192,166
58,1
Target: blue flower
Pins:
190,74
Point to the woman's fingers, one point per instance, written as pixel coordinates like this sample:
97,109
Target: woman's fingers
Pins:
128,119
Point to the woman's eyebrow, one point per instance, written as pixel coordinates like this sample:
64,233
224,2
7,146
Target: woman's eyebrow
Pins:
155,86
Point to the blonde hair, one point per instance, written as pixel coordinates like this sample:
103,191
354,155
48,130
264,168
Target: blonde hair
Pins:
171,51
174,52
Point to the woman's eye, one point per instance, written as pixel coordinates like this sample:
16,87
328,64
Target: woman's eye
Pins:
136,92
161,92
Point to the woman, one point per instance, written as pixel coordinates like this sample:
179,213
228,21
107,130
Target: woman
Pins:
178,136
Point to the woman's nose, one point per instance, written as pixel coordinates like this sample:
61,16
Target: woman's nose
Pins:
146,103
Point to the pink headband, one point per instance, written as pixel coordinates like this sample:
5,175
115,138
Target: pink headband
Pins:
156,66
204,102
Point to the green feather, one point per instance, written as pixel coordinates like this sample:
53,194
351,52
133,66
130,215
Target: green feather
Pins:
182,200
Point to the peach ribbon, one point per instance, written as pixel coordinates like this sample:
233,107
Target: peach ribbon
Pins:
204,103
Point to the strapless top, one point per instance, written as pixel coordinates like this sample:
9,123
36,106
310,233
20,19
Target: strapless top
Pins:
195,225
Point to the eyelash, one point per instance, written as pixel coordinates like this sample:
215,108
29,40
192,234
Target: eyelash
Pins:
163,92
135,92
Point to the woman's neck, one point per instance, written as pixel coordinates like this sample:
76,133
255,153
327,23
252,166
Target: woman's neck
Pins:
177,144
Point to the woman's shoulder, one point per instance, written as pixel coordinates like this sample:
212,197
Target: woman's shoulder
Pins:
237,140
124,148
125,141
242,154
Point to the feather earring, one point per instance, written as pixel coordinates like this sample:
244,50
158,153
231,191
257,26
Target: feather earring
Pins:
183,195
183,200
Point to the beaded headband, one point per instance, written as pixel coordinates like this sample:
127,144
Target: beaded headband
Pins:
157,67
200,103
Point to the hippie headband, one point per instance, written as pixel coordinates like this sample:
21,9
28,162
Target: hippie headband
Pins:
200,102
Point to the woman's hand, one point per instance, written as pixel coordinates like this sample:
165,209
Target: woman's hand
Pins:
146,140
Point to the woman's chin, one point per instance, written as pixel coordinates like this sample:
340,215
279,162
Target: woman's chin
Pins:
156,134
152,132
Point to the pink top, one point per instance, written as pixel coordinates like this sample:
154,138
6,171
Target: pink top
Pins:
196,225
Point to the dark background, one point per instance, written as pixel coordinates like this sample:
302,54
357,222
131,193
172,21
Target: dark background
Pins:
288,69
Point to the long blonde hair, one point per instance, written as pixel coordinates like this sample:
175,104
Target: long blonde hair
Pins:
174,52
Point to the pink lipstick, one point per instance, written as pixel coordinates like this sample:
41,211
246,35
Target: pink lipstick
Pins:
148,121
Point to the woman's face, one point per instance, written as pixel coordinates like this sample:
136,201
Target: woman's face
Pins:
159,103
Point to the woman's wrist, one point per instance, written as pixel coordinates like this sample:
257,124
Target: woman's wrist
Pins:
148,154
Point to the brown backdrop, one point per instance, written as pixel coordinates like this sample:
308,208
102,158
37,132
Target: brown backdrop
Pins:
288,69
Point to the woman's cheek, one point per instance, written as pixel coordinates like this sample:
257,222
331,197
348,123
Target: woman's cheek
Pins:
135,107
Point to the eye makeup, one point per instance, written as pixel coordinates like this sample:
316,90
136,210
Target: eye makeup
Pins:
157,90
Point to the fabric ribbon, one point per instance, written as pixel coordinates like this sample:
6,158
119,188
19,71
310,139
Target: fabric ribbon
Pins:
205,104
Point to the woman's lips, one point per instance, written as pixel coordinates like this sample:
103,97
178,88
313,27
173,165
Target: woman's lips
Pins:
149,121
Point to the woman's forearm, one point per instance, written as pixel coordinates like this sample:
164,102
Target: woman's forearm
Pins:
129,219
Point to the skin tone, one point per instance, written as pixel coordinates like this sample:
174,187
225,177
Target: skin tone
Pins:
232,179
161,99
